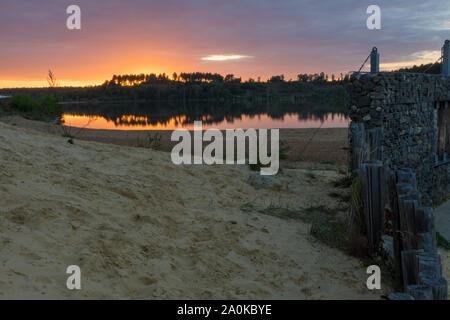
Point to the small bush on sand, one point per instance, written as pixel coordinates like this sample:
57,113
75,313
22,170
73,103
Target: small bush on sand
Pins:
329,231
49,105
248,207
152,141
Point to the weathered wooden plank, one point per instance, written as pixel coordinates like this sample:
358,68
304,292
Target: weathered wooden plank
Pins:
400,296
426,235
359,146
438,285
410,267
407,223
426,241
398,246
430,262
374,188
420,292
424,219
414,232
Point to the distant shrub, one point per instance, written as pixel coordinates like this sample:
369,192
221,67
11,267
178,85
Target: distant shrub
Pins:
44,107
49,105
22,102
337,96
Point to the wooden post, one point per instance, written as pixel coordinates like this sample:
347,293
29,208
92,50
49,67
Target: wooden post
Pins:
359,147
374,61
426,234
415,237
410,265
446,59
374,185
438,285
398,248
430,262
407,210
420,292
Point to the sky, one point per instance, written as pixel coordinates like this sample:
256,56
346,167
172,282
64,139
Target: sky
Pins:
248,38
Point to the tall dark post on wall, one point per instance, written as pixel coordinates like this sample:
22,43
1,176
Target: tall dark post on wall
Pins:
446,59
374,61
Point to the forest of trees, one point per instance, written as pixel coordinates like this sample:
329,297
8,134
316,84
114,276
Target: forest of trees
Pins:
206,77
199,86
195,77
428,68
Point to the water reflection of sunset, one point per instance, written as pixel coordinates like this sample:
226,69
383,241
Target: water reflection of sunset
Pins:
261,121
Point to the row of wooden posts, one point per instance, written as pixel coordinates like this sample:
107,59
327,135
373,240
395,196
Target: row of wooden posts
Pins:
391,198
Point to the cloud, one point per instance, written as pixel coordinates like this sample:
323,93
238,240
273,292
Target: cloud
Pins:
225,57
417,58
427,55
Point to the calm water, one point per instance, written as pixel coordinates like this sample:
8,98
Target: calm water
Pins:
163,116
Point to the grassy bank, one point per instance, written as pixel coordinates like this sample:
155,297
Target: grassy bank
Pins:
44,108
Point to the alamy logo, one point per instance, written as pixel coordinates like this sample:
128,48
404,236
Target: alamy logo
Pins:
374,20
74,20
74,280
213,153
374,281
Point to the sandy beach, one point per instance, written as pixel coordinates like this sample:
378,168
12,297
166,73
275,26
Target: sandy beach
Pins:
141,227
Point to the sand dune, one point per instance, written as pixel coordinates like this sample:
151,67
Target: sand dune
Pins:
141,227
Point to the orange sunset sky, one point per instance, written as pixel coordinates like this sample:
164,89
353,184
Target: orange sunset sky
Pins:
249,38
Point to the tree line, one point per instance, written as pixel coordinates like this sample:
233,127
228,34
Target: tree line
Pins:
427,68
153,78
207,77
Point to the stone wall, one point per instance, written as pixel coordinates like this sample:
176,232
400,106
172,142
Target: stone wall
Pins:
398,113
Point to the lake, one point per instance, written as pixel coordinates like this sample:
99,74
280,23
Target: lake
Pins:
171,116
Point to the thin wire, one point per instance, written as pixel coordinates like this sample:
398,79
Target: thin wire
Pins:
367,59
433,64
311,138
